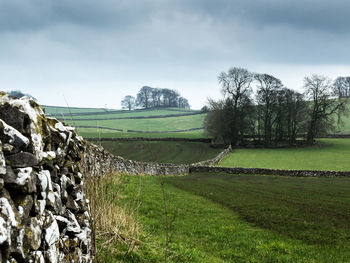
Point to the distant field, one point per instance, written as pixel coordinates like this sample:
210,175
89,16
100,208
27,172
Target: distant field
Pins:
345,129
157,124
82,112
240,218
161,151
171,125
66,110
127,114
327,154
97,133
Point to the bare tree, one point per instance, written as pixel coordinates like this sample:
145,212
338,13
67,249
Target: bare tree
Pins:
217,121
144,97
183,103
295,107
128,102
236,85
324,104
267,98
342,87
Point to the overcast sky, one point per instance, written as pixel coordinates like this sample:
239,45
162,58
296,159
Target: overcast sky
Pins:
94,52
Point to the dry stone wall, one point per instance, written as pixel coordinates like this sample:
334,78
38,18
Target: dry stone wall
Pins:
216,159
44,213
97,161
297,173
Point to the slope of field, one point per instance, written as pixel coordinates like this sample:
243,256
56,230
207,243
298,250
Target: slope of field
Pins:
56,110
157,124
101,123
232,218
126,114
161,151
102,133
345,129
327,154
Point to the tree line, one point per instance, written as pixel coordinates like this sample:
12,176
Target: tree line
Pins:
19,94
149,97
275,114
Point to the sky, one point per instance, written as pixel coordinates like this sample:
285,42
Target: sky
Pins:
92,53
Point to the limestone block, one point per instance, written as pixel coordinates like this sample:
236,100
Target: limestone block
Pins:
24,204
13,116
10,135
33,233
22,159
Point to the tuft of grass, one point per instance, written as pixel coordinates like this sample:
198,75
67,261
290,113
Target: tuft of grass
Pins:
116,227
327,154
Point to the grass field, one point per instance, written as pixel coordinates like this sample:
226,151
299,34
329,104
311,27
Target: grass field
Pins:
327,154
236,218
127,114
161,151
156,124
67,110
99,133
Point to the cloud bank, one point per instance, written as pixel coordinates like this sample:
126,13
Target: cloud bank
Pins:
84,47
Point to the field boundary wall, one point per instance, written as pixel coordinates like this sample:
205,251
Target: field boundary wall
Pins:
44,210
206,140
263,171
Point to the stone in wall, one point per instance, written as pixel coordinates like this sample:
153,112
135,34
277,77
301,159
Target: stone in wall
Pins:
44,214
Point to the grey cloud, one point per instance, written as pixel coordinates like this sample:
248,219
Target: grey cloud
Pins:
324,15
23,15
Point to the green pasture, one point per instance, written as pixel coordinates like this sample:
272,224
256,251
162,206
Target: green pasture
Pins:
327,154
156,124
67,110
345,129
101,133
104,113
127,114
161,151
239,218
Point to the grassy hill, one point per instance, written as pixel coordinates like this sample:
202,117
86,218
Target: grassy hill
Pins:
99,122
57,110
167,122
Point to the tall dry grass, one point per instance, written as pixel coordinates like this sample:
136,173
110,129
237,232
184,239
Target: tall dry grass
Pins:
114,226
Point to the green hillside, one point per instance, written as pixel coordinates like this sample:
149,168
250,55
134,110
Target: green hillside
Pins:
53,110
167,122
153,124
128,114
99,122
